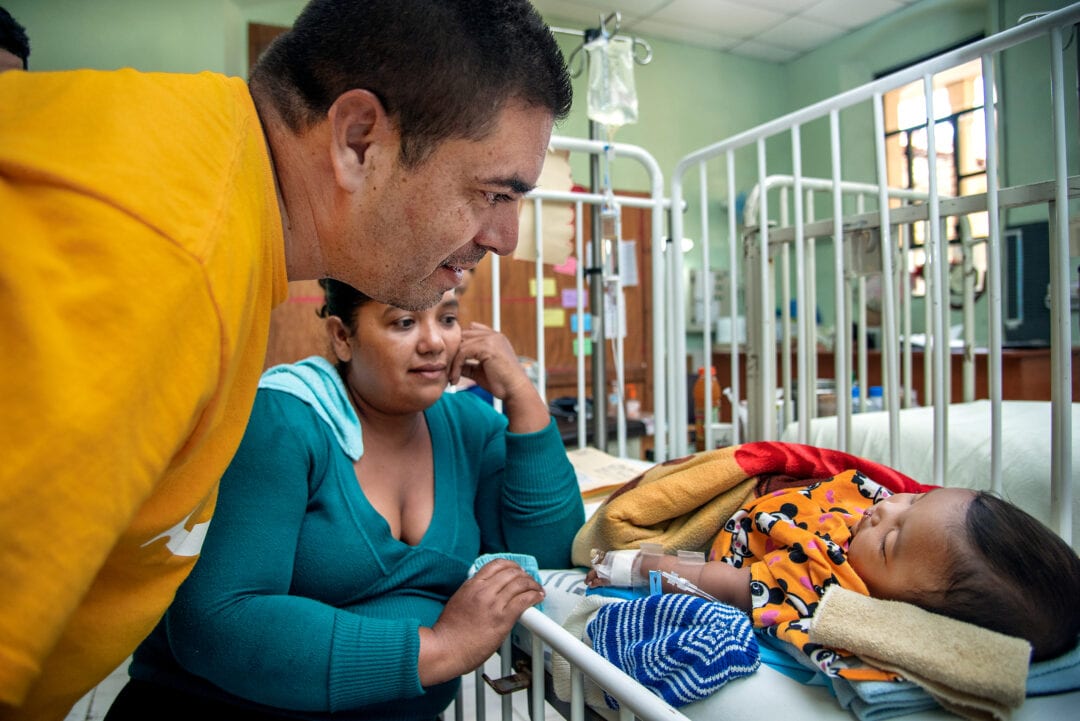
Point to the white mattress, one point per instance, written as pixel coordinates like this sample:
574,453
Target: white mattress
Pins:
1025,455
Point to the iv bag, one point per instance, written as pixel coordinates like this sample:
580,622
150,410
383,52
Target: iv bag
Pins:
612,96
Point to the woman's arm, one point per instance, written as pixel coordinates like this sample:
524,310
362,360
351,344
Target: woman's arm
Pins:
487,357
236,622
529,495
498,594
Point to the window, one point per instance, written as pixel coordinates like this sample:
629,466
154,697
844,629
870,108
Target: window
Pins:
960,144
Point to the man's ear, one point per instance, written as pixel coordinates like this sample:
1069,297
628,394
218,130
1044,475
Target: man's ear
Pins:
358,122
339,339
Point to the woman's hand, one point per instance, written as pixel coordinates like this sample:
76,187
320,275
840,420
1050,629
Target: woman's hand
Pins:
476,620
486,357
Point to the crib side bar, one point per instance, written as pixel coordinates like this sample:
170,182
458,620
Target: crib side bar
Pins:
841,352
888,294
1060,319
994,340
937,263
733,269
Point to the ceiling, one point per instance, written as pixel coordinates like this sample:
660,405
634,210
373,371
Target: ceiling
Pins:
773,30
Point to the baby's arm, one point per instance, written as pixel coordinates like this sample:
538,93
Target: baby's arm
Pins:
720,580
716,578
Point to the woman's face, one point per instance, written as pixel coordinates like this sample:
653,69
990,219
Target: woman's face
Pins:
400,358
904,544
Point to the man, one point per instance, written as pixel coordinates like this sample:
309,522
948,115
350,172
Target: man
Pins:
150,224
14,44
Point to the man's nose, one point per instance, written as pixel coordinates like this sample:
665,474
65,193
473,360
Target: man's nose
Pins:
500,233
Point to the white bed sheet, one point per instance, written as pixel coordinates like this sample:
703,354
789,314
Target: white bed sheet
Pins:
1025,432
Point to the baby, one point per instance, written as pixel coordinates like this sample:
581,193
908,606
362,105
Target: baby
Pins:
952,551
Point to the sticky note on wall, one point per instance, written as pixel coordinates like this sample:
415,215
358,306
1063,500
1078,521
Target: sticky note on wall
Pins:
554,317
549,287
588,347
574,322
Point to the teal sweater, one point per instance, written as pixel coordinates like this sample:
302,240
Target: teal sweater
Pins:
303,601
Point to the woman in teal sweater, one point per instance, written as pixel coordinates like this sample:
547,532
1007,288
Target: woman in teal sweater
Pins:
333,579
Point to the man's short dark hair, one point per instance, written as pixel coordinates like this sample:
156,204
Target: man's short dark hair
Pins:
13,37
442,68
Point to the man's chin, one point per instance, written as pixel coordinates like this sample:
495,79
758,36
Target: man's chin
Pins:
416,298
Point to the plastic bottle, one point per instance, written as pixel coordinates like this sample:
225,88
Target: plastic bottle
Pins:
700,416
876,401
633,404
613,400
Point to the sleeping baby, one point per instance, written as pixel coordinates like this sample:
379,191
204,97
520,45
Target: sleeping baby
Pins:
960,553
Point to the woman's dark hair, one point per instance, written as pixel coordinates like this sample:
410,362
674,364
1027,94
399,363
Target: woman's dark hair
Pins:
342,300
1016,577
441,68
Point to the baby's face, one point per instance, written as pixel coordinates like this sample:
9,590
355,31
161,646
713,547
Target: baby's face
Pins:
903,545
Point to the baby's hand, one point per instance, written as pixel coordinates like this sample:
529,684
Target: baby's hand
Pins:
593,579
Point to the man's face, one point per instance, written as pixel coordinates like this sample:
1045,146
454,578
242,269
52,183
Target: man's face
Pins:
414,232
10,61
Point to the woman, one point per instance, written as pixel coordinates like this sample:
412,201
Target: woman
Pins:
333,578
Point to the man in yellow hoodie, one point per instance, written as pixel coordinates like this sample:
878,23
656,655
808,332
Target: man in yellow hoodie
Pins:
151,222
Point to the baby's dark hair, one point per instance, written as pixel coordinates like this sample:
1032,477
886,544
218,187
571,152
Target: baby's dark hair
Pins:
1016,577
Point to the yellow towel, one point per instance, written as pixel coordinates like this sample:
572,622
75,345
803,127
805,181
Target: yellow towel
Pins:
972,671
680,504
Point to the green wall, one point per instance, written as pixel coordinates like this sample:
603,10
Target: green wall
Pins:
151,35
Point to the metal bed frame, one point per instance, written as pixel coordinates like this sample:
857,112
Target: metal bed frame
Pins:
795,232
761,242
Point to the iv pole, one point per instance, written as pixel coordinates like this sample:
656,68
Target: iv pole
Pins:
594,272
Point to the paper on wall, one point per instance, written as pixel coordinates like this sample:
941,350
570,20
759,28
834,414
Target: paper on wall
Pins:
556,218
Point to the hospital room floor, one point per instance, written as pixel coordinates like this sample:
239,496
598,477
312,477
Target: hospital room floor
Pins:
95,704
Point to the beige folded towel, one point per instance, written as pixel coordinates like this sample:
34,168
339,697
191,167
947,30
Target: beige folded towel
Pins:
971,671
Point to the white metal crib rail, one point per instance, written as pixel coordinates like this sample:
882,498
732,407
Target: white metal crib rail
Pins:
761,240
635,701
